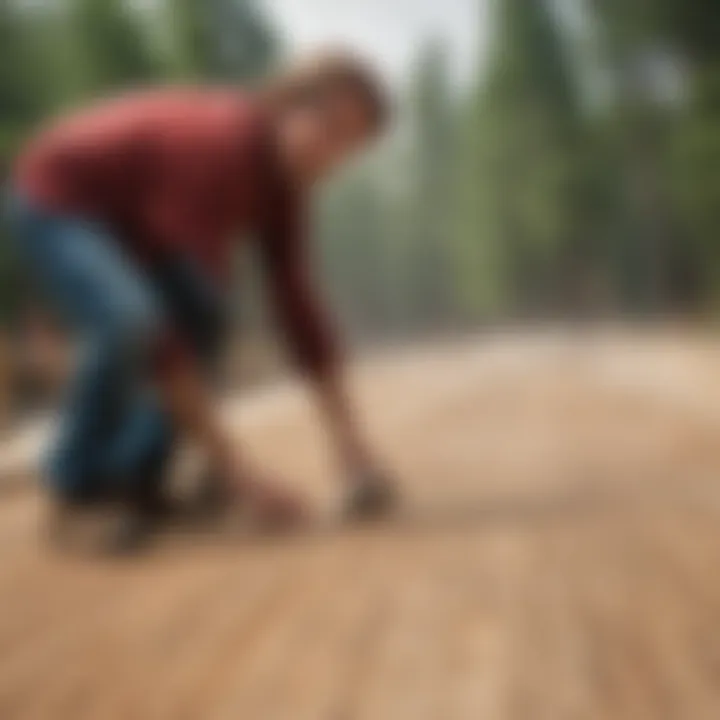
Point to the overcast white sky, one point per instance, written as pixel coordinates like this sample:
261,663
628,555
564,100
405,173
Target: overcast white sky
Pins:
388,30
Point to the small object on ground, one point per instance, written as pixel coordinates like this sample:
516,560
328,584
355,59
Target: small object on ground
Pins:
127,533
107,529
211,501
372,498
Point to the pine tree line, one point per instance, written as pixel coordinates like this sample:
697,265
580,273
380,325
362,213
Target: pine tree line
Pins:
579,173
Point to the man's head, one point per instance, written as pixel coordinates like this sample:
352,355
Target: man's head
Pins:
325,110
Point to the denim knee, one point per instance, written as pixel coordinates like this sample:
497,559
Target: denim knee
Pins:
132,333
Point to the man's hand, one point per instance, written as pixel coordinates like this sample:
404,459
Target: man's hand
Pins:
266,501
371,491
372,495
190,403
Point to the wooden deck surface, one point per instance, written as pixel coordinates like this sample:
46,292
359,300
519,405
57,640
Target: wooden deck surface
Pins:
557,558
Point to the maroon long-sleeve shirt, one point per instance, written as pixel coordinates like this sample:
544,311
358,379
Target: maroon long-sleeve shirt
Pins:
186,171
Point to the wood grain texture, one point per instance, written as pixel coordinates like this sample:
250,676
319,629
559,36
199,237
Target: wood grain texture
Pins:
556,558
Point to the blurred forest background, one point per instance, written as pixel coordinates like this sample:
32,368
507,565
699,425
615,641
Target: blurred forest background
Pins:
577,176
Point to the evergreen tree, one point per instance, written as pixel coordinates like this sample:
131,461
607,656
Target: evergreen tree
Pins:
20,103
354,241
691,30
666,191
111,49
221,39
521,164
429,253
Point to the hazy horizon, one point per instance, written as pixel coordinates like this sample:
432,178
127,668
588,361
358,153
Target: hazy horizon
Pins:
389,31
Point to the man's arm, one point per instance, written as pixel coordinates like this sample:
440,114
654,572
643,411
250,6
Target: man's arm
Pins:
312,341
188,398
190,402
179,375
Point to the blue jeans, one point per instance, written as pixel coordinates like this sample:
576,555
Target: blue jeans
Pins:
113,431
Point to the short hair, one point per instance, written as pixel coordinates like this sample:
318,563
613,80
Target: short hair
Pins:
327,71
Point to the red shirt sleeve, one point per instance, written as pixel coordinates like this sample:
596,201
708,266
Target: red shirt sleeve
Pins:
299,310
